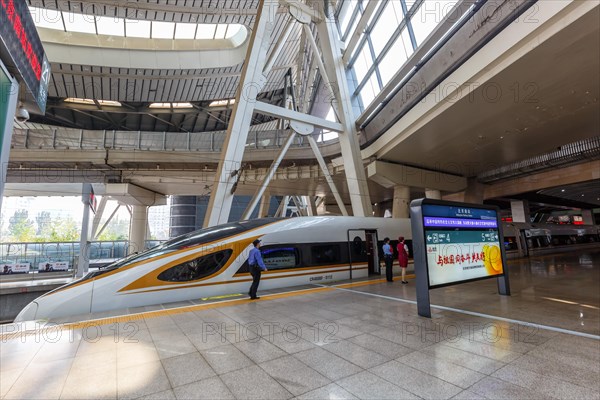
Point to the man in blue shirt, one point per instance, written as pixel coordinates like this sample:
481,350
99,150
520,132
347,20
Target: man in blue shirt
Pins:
388,255
256,266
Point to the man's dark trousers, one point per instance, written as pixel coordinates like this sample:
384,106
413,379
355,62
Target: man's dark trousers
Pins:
389,262
255,272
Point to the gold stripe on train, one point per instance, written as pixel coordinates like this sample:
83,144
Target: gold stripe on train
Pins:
247,280
151,278
158,257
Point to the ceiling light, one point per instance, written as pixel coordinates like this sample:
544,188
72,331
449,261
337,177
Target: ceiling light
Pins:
92,102
222,103
563,190
171,105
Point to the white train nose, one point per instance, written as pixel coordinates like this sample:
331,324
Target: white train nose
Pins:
28,313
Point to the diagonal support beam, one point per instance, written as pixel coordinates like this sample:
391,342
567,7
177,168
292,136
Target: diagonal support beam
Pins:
261,190
328,178
353,164
284,113
98,215
107,222
252,81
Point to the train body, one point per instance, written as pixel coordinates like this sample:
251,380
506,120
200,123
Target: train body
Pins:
213,261
536,238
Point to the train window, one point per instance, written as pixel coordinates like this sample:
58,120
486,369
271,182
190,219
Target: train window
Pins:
195,269
327,254
280,257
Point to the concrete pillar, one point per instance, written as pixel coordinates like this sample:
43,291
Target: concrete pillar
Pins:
520,210
321,208
137,228
400,206
588,217
263,208
183,215
311,205
474,192
433,194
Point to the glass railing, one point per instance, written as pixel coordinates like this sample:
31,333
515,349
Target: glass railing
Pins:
26,260
48,137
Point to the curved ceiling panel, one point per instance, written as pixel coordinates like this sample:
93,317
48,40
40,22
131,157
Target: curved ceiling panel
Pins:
68,50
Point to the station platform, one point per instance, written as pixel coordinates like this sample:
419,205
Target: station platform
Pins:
359,339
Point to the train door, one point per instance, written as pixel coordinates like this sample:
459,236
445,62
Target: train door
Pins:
373,253
362,249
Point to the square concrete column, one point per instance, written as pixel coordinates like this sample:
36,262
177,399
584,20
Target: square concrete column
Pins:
400,206
520,210
433,194
137,229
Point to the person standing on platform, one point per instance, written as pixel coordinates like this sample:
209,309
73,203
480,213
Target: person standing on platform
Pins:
388,256
256,266
402,257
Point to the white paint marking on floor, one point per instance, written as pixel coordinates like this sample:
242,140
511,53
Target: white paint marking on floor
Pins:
473,313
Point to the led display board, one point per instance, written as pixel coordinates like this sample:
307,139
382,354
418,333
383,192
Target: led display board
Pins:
21,48
455,243
462,244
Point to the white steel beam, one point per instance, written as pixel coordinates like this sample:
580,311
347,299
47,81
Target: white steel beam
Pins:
278,46
353,164
107,222
98,215
328,178
283,206
261,190
317,57
284,113
252,81
302,11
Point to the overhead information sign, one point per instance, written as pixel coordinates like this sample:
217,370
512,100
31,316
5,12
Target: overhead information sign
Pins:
20,44
462,244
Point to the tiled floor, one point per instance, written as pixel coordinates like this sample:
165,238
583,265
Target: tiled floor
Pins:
336,344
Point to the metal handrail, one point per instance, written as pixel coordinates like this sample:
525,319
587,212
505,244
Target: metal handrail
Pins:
79,139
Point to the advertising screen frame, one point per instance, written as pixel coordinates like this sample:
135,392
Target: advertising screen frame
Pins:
420,252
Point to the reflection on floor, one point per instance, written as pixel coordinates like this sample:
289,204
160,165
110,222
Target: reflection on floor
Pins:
334,344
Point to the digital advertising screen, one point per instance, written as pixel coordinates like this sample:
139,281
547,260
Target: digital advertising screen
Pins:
461,243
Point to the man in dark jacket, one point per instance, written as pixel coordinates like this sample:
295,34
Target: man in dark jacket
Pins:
256,266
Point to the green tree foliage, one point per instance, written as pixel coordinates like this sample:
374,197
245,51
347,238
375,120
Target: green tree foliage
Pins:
116,230
43,221
63,230
20,227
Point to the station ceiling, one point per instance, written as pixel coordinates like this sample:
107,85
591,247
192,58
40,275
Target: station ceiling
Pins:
561,75
137,88
546,99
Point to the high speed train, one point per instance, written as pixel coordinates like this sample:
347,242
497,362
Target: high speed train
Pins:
213,261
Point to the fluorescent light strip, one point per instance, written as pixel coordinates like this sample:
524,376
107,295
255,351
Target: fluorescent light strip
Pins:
115,26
